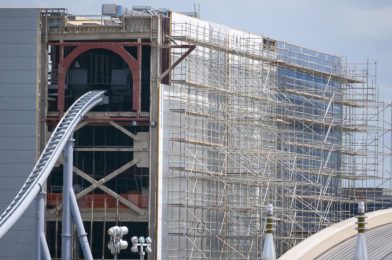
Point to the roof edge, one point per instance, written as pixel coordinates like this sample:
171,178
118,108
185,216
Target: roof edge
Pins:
317,244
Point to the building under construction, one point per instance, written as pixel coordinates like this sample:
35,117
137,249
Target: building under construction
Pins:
204,126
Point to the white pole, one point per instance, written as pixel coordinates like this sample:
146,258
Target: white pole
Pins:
361,248
44,248
40,210
66,242
80,227
269,245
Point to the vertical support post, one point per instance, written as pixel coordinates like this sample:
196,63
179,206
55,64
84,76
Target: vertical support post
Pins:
361,248
139,86
154,211
61,80
40,209
41,245
66,236
269,246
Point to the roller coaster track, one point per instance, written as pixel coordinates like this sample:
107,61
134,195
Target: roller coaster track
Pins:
48,158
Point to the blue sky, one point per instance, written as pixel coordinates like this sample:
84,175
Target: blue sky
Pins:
356,29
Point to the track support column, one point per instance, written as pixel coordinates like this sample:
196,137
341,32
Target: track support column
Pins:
79,227
40,209
66,236
42,252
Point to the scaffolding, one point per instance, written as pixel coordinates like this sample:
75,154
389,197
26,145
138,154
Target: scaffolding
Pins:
250,121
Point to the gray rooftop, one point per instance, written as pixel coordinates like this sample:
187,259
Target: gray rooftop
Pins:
379,246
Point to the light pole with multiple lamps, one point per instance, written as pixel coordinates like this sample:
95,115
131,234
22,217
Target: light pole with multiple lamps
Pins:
141,245
116,243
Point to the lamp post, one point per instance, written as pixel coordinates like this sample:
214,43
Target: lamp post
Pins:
143,243
116,243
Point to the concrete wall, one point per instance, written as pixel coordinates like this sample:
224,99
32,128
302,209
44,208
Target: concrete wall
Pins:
19,42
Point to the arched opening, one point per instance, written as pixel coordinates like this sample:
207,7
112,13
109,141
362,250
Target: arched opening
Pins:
67,54
100,69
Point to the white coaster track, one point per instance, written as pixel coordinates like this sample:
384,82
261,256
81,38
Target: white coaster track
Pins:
33,184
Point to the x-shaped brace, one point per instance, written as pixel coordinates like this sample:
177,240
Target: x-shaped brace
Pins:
100,184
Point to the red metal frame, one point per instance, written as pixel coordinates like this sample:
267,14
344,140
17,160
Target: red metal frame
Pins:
112,43
116,47
125,121
54,200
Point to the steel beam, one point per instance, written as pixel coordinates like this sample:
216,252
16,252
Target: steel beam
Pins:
125,131
167,71
107,178
99,185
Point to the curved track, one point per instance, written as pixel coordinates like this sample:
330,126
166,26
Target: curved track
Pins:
48,158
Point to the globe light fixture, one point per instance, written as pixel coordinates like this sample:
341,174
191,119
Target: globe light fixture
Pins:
116,244
141,245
